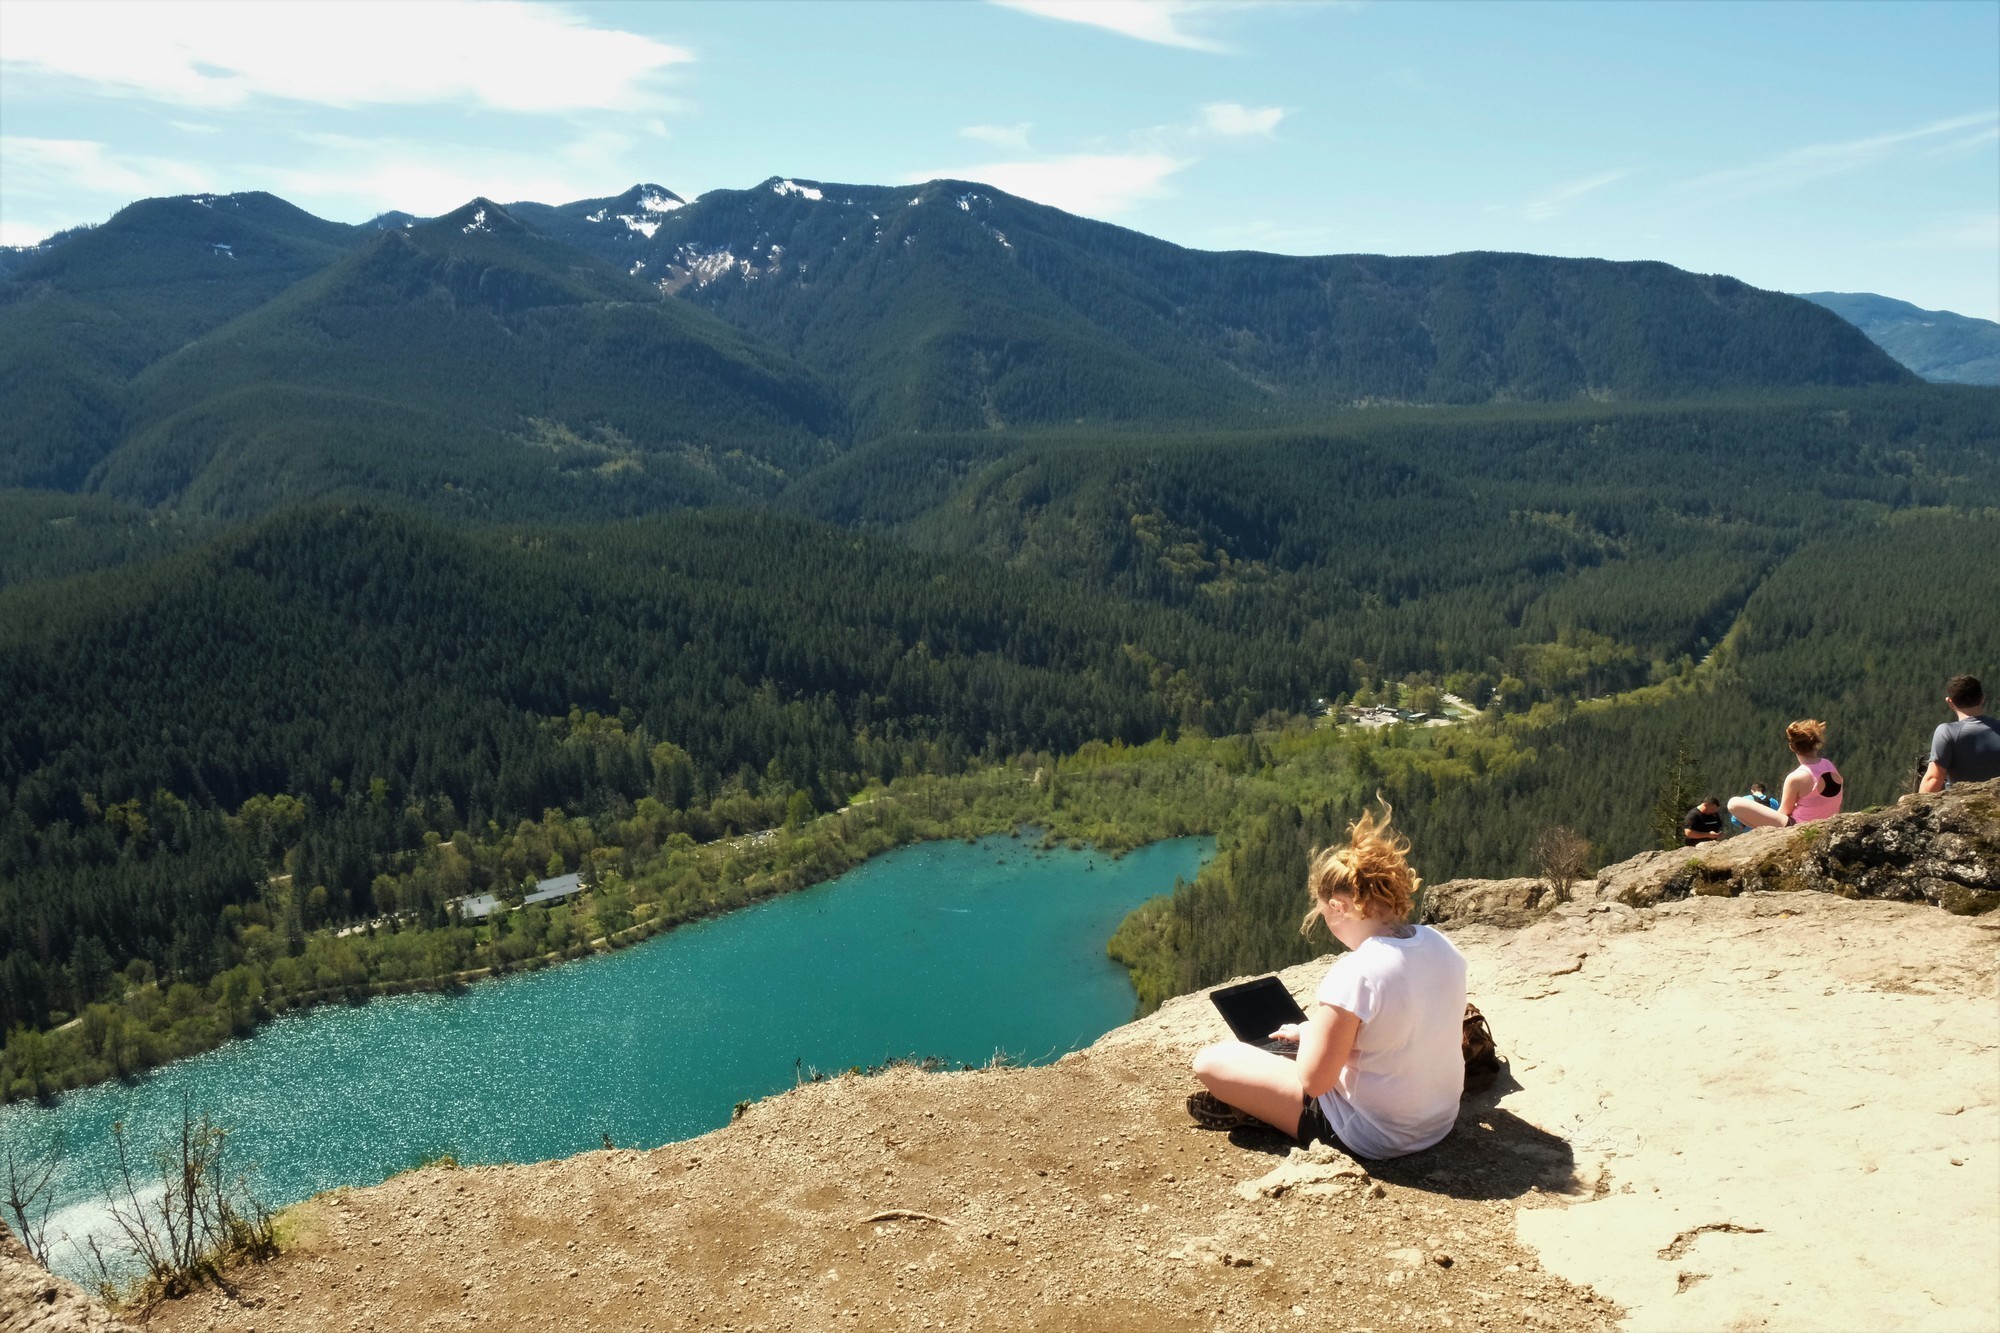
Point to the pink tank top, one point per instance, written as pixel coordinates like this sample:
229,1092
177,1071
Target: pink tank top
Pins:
1824,798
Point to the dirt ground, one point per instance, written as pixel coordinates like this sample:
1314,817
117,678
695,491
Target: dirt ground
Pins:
1776,1111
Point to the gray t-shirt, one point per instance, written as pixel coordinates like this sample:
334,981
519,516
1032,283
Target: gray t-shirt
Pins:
1967,749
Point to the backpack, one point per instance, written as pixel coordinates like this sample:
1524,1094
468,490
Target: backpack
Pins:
1482,1059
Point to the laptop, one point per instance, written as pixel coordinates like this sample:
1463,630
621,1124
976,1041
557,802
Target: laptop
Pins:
1257,1008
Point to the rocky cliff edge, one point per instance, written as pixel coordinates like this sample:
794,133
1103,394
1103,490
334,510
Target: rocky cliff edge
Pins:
1732,1102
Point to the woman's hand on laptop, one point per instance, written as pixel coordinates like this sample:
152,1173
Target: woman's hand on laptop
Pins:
1288,1032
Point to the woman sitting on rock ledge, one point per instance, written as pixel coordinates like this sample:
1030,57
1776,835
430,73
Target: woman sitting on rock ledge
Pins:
1379,1068
1812,790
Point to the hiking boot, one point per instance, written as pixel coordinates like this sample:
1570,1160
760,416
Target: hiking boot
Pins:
1211,1112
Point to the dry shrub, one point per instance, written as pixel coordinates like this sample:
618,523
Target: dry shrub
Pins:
1561,855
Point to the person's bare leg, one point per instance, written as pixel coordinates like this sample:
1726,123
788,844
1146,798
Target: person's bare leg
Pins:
1754,814
1254,1080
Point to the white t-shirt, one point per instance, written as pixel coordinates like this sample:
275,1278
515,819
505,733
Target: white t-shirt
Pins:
1399,1091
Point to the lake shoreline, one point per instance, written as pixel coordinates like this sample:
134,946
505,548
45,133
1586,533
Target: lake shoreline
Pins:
459,982
871,829
949,952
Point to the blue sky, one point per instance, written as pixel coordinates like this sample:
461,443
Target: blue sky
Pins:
1799,146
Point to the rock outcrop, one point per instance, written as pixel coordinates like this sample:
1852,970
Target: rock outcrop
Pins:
1942,849
1726,1107
34,1301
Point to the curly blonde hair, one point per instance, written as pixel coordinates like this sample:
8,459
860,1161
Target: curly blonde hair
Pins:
1805,735
1373,870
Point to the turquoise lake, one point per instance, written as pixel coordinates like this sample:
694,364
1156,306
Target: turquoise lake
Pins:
952,950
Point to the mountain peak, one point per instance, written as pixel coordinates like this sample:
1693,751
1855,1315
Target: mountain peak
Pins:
479,215
650,198
784,185
635,214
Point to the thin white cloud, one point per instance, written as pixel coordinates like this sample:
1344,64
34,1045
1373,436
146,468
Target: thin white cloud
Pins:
1263,234
1157,21
59,168
334,175
1000,136
1233,120
194,127
1091,184
359,179
1962,231
498,53
14,233
1802,166
1970,143
1106,183
1560,198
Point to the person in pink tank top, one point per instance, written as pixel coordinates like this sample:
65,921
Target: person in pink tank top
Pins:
1812,791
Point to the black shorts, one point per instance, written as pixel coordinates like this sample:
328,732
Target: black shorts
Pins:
1313,1125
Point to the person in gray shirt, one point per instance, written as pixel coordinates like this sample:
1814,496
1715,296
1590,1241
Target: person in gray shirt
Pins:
1966,749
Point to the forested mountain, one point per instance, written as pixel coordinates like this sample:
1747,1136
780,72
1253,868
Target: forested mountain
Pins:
472,358
952,306
94,307
1434,539
527,360
1940,346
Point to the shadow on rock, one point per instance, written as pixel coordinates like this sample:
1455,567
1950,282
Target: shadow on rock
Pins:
1489,1154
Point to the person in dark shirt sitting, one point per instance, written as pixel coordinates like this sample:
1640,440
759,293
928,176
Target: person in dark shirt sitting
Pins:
1703,823
1966,749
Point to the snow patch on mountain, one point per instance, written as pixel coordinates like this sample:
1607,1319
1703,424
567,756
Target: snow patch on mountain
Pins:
651,202
703,267
478,223
709,267
793,187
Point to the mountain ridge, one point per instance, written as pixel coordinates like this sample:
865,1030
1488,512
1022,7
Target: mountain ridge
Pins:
945,306
1941,346
451,339
1246,328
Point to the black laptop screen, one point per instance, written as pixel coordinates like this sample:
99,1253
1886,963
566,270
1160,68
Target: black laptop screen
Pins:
1255,1009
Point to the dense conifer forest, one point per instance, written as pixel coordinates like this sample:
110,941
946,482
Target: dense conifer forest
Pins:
350,572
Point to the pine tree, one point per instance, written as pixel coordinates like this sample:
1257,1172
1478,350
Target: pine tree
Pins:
1679,791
